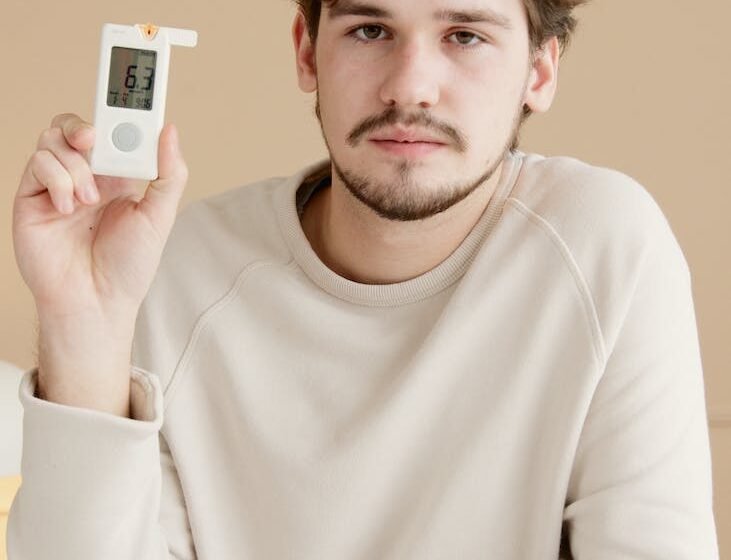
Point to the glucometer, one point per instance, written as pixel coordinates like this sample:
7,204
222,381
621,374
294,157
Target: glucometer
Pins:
130,97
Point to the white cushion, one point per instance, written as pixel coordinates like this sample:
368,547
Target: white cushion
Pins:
11,420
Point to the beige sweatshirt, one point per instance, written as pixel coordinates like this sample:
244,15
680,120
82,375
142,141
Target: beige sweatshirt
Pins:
545,376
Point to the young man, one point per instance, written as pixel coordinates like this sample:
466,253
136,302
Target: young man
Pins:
431,346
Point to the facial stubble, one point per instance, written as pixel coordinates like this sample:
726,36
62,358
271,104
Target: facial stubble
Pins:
402,199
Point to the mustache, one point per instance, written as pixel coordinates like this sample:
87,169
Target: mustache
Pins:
394,115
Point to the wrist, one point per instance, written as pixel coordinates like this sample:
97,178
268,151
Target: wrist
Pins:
84,360
87,324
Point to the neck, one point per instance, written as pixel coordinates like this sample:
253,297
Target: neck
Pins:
356,243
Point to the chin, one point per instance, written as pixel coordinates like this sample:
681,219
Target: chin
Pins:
404,197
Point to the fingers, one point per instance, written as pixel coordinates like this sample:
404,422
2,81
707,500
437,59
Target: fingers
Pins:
163,195
85,189
60,168
78,133
45,172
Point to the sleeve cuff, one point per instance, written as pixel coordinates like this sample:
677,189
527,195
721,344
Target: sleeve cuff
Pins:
87,475
146,400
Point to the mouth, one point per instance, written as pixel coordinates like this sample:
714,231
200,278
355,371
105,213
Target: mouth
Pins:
407,143
408,149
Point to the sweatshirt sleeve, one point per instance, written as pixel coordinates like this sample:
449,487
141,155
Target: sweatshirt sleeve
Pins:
641,484
92,482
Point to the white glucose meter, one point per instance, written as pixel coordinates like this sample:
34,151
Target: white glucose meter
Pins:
130,97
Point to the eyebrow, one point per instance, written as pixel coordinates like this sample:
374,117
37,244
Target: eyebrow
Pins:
344,8
475,16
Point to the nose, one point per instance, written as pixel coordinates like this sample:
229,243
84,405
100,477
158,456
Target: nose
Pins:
412,77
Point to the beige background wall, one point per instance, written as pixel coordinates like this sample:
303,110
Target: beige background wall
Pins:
644,88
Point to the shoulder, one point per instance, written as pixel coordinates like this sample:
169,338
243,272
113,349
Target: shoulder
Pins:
229,217
214,238
594,211
577,198
610,230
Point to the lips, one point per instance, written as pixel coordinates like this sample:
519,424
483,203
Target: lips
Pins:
406,136
407,149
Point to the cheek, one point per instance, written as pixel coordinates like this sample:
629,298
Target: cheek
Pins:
486,118
334,111
338,119
484,89
346,97
339,71
497,96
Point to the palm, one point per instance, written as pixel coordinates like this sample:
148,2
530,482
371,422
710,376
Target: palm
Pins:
99,254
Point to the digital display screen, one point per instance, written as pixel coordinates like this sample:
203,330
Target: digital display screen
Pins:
131,78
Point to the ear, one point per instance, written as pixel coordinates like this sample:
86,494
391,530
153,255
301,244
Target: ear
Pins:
543,78
305,55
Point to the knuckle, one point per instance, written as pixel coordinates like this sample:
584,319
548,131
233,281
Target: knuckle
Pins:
62,182
39,158
62,119
68,124
47,137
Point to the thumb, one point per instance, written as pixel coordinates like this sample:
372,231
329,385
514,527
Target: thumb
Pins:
163,194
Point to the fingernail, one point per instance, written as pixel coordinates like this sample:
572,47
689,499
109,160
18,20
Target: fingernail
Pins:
67,206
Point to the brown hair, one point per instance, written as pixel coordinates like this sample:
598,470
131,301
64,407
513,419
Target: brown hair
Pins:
546,19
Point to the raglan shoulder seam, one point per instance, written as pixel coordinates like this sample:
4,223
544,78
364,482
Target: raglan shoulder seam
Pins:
204,319
582,285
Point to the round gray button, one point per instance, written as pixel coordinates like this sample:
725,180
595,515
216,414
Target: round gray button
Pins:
127,137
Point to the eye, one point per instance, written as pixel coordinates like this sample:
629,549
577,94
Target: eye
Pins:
368,32
465,39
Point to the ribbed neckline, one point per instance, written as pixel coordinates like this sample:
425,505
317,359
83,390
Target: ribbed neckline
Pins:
402,293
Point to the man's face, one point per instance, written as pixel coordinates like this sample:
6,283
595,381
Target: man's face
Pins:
419,100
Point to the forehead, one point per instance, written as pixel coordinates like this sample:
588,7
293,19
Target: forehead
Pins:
506,14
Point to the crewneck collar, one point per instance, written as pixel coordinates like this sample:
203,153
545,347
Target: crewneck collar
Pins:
402,293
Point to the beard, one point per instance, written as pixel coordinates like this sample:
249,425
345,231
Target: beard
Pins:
402,198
